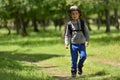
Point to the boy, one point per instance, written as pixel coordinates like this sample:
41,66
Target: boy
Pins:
78,35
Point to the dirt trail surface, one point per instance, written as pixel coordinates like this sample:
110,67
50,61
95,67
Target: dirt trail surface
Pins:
63,75
116,64
56,72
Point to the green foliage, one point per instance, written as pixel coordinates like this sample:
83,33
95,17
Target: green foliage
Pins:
45,9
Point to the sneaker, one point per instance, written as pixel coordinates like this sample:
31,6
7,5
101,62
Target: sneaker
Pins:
80,70
73,72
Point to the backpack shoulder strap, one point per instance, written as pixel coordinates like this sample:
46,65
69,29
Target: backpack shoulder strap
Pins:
82,27
70,28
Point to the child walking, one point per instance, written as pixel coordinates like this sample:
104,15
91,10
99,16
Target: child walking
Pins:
77,35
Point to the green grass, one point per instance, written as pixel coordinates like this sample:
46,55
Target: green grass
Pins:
24,58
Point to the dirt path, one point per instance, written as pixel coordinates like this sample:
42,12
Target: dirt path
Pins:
116,64
55,71
63,75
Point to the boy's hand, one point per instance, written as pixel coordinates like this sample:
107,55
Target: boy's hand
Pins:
86,44
66,46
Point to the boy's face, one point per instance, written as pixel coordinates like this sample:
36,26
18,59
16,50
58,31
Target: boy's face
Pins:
75,15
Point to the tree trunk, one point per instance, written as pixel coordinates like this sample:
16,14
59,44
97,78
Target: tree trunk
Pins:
99,21
44,28
55,28
88,24
116,18
17,22
23,27
17,26
107,15
5,25
44,25
60,27
35,26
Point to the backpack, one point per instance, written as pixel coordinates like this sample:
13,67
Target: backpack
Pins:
82,28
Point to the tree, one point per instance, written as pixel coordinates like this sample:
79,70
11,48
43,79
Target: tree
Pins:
41,12
107,15
116,16
4,14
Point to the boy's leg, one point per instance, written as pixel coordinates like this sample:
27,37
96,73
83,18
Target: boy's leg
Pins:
74,57
82,51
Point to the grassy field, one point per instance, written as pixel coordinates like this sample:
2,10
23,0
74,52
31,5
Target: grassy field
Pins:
42,56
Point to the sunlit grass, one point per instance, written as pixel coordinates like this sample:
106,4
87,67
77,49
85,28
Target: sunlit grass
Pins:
21,58
13,69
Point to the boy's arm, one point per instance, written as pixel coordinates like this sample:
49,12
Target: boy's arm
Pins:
86,34
67,37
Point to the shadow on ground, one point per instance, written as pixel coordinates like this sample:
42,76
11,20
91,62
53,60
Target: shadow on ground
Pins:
30,57
10,62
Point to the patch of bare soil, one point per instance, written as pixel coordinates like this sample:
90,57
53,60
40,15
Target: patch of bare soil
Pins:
116,64
56,72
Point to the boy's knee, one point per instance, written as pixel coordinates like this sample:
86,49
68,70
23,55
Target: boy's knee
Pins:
83,57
